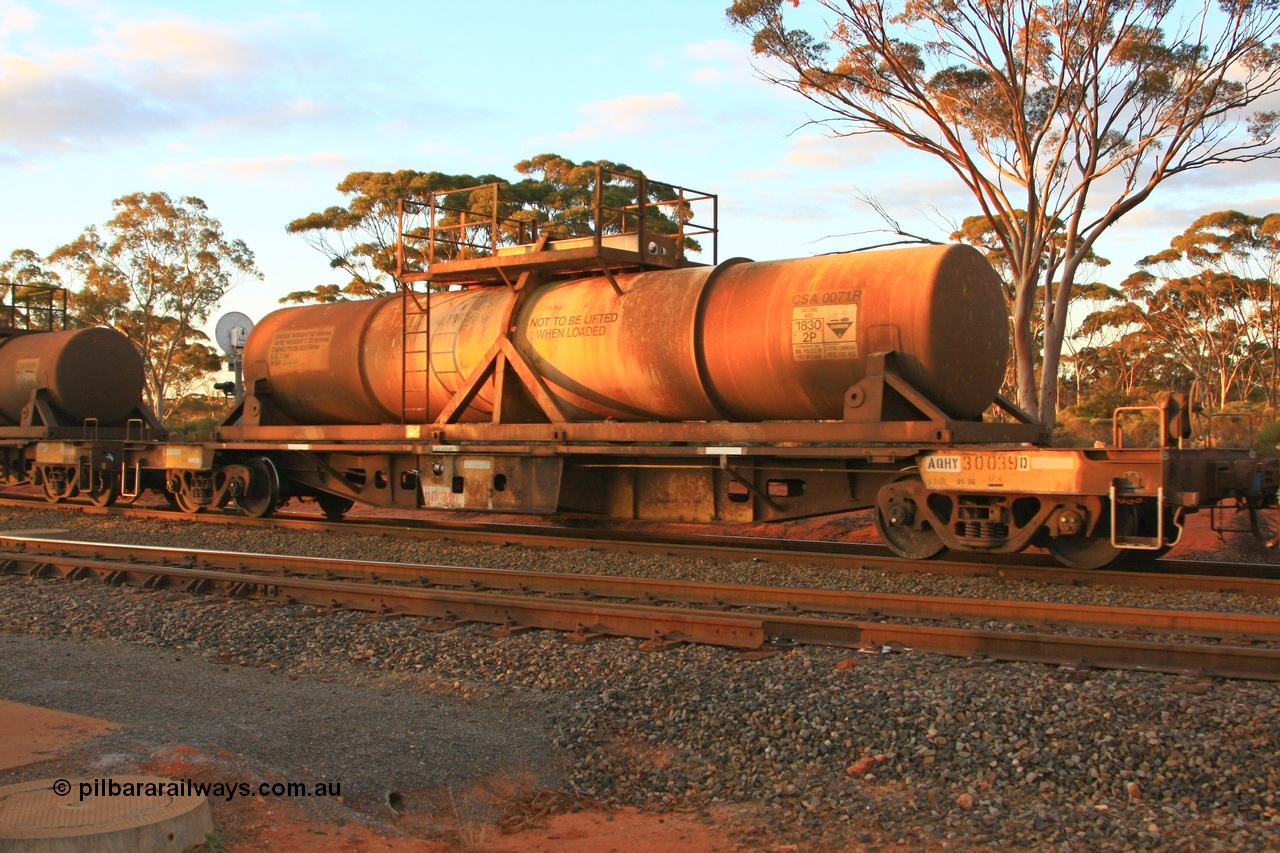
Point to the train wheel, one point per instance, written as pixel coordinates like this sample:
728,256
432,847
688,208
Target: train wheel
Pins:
181,500
1096,552
105,491
333,506
896,511
262,495
1084,552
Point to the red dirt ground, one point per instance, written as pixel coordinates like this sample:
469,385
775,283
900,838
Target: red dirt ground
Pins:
30,734
34,735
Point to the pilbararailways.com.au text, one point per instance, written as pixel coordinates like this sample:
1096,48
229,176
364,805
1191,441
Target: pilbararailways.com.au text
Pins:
187,788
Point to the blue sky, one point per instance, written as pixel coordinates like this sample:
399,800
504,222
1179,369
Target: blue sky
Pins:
260,108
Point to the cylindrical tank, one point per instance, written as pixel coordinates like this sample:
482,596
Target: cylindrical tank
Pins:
345,362
86,373
781,340
786,339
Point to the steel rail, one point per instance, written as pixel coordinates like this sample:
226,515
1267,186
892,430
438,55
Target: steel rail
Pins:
662,625
1247,579
848,602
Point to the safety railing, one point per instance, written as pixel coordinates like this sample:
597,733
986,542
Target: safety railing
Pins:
476,222
32,307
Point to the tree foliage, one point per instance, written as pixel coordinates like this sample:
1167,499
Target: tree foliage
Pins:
156,271
360,239
1201,310
1060,117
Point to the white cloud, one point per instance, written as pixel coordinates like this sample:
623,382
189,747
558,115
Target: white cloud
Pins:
181,47
766,175
286,170
138,78
719,61
16,18
267,115
61,103
1259,175
633,114
816,151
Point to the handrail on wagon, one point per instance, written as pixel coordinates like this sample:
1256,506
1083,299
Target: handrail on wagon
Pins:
471,234
32,308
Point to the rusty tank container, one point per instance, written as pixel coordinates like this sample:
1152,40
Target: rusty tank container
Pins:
780,340
86,373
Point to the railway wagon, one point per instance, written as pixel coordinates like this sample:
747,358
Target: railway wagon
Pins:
70,399
72,417
606,374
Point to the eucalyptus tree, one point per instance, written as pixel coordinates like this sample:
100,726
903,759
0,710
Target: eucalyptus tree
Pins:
1208,303
1065,111
155,271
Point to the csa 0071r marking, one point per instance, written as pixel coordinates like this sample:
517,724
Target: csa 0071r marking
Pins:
57,453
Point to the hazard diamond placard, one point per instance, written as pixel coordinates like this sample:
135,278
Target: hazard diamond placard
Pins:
820,332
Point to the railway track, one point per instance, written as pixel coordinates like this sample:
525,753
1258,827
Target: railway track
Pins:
1188,575
663,613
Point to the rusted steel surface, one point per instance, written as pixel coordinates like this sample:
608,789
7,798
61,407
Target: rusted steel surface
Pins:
569,260
1189,622
1222,661
343,363
629,355
741,341
86,373
745,630
1245,579
711,628
505,438
786,339
616,620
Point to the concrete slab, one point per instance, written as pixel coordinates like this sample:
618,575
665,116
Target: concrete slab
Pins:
124,814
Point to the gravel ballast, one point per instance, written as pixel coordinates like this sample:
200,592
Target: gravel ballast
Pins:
815,747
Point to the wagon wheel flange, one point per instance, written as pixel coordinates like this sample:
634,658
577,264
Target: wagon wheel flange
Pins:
104,490
333,506
1084,552
1094,551
261,495
902,522
183,501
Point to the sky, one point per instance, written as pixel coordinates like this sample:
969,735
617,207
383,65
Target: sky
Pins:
260,108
